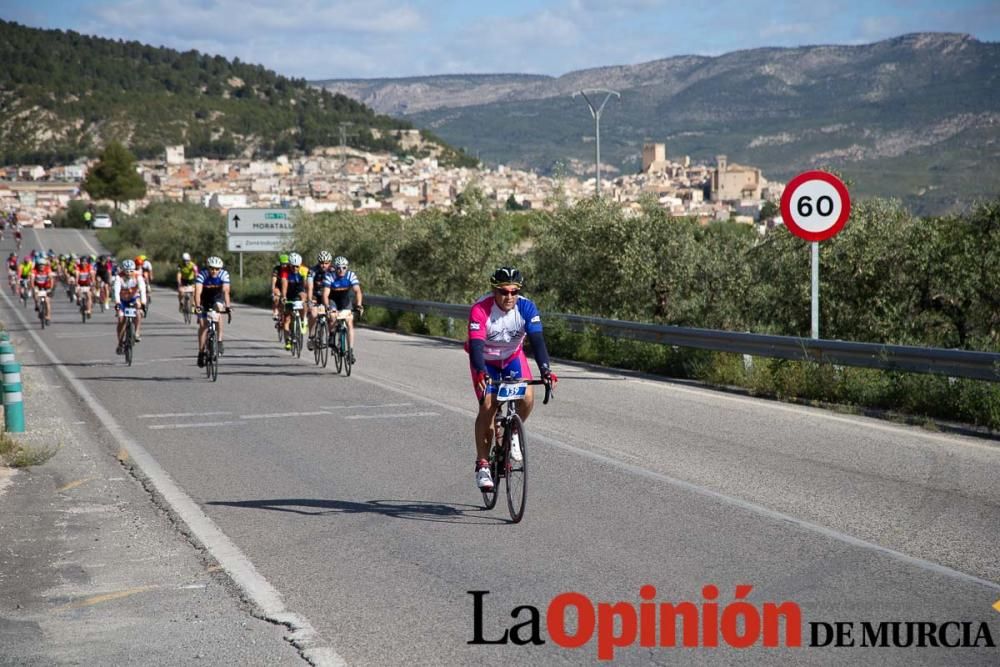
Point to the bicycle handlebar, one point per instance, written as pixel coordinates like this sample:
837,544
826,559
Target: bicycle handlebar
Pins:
548,386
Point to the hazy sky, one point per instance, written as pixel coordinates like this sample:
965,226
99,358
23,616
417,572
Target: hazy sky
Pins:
319,39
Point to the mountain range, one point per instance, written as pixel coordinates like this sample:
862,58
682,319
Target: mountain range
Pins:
916,117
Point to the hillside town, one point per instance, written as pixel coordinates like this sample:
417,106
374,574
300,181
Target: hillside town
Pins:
342,178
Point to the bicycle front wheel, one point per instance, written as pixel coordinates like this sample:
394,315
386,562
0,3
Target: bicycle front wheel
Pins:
323,342
516,472
186,306
348,354
296,336
338,352
129,334
211,357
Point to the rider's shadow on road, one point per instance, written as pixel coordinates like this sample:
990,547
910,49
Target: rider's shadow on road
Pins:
399,509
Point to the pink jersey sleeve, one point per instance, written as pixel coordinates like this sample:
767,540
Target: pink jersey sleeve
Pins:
478,320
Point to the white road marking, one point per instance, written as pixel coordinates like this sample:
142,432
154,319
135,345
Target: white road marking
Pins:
182,414
358,407
276,415
401,415
236,564
197,425
754,508
86,242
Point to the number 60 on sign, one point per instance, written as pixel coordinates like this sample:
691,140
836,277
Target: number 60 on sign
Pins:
815,205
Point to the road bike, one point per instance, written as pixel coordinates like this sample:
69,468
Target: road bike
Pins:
103,295
82,299
43,306
295,330
25,292
130,312
321,340
187,299
508,427
212,339
343,353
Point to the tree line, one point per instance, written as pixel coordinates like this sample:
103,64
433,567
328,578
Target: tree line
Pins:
90,90
888,277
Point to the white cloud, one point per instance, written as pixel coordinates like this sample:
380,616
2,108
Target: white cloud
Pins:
873,28
232,20
771,30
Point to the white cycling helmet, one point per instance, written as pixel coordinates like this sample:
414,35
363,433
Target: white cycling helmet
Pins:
295,259
340,262
186,257
214,262
324,256
128,265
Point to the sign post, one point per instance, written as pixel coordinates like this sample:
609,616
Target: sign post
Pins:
815,206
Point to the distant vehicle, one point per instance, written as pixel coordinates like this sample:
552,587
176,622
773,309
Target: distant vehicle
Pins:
102,221
46,223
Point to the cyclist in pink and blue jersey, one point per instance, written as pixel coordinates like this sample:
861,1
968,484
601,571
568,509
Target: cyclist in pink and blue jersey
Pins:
498,325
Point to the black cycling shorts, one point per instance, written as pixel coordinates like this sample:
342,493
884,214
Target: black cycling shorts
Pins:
342,299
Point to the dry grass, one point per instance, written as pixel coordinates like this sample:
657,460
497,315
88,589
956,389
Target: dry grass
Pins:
17,455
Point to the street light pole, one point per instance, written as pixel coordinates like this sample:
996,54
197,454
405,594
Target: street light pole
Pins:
596,113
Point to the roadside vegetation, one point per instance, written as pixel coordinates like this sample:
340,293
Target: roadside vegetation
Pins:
888,277
16,455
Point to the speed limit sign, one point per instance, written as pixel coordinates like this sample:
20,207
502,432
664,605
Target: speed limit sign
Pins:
815,205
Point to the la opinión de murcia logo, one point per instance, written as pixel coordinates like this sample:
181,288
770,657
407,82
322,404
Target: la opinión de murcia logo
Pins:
737,623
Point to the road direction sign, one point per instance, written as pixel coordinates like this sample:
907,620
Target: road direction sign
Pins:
257,242
815,205
260,221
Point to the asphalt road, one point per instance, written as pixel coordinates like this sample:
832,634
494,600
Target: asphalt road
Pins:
354,497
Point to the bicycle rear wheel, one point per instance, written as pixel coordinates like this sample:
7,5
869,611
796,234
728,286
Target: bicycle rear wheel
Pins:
41,312
490,497
186,306
516,472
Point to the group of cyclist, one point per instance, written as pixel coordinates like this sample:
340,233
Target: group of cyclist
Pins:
499,322
84,276
329,283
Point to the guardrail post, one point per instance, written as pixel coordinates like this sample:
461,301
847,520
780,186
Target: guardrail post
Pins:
6,352
13,398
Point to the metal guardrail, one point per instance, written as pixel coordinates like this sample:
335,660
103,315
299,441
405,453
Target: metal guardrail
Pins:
953,363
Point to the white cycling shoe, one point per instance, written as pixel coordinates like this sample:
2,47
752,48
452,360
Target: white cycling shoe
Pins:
515,448
483,478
